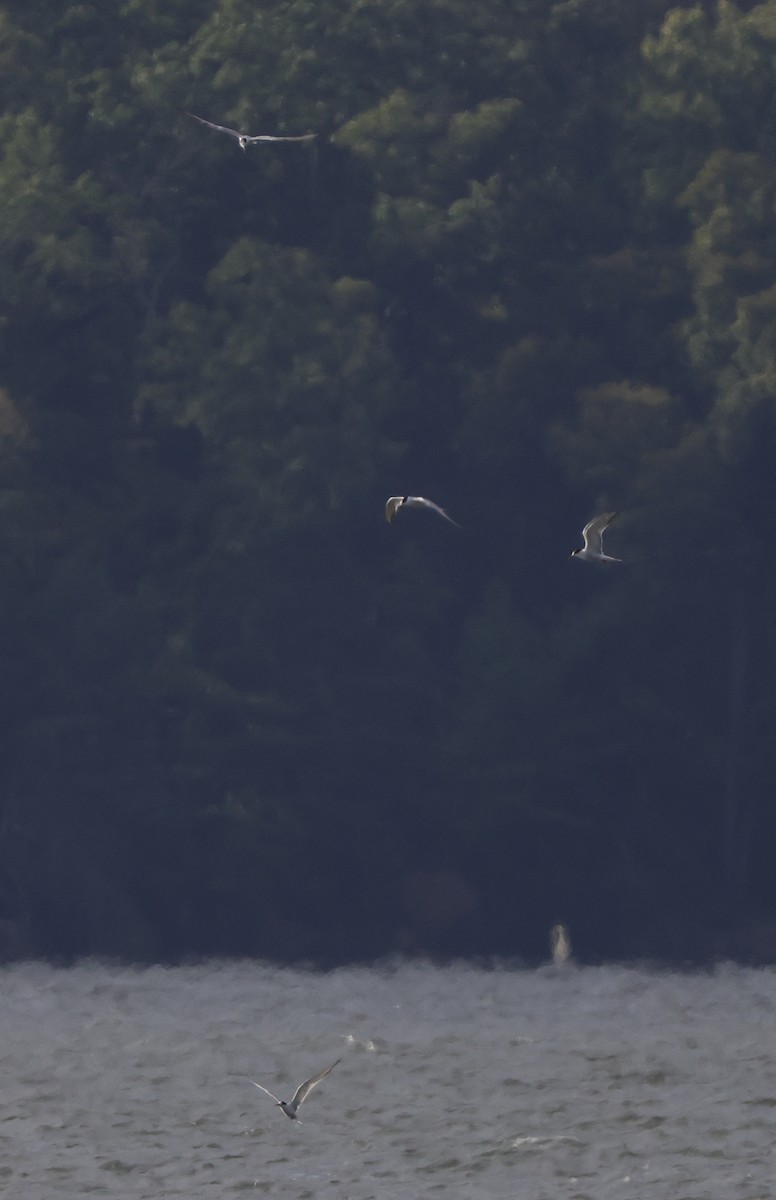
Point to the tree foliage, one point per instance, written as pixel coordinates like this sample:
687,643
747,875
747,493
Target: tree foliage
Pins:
527,268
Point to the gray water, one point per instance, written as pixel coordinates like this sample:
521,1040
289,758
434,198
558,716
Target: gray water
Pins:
454,1082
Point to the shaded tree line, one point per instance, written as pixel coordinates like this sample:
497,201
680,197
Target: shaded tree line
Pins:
527,268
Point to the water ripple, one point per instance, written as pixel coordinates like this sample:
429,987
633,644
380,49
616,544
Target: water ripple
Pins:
605,1083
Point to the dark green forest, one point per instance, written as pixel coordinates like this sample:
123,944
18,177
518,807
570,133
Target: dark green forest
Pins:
528,269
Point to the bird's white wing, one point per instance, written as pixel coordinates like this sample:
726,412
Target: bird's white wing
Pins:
435,508
261,1088
277,137
392,506
594,531
221,128
304,1089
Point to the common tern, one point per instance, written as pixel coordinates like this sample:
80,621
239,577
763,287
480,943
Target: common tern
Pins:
290,1107
394,503
593,534
247,139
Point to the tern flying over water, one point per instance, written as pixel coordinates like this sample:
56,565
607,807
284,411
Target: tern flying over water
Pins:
247,139
300,1095
593,533
396,502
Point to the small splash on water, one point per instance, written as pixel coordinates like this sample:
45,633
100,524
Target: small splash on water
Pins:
368,1045
560,944
545,1139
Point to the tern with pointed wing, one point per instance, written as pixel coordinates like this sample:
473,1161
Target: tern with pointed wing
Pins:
394,503
593,534
290,1107
246,139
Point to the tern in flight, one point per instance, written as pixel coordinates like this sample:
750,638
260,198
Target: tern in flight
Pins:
247,139
396,502
593,533
300,1095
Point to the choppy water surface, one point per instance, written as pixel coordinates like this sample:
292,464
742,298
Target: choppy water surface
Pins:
455,1082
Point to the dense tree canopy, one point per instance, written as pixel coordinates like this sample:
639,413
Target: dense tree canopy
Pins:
527,268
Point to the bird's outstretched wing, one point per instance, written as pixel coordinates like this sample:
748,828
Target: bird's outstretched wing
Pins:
278,137
221,128
261,1088
304,1089
392,506
594,531
423,503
